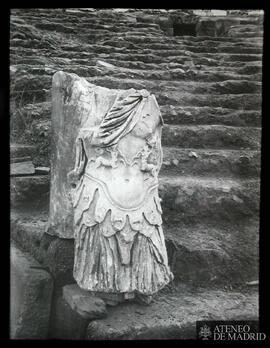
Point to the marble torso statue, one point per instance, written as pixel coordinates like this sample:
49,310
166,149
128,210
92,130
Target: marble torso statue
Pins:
119,241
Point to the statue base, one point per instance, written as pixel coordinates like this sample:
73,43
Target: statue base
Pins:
113,299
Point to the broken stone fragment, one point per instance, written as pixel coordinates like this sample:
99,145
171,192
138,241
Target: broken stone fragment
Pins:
226,189
237,199
193,154
106,65
22,168
253,283
42,170
84,303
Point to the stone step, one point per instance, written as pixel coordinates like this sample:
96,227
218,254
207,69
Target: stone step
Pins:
176,160
33,189
235,88
22,168
204,115
205,42
92,24
187,199
231,101
200,64
126,59
142,16
108,18
126,51
241,48
73,16
20,150
97,30
228,48
28,87
225,57
161,75
31,289
223,85
198,253
211,136
184,198
170,70
37,14
39,111
217,39
185,137
119,25
185,86
22,61
206,162
161,42
225,39
29,62
171,134
21,74
213,253
186,66
250,34
28,225
247,30
39,136
229,87
35,43
129,53
20,159
173,314
140,42
134,38
215,163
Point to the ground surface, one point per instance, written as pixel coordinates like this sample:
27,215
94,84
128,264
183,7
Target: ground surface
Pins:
174,313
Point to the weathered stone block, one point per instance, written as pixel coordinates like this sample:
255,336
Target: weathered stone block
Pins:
42,170
27,231
57,255
30,297
29,188
65,323
84,303
22,168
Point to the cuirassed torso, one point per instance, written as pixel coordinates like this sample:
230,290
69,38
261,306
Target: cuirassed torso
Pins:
121,180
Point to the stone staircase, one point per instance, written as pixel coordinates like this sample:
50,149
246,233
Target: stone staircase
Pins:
209,92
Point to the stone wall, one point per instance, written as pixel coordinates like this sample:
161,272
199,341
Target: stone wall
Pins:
30,297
